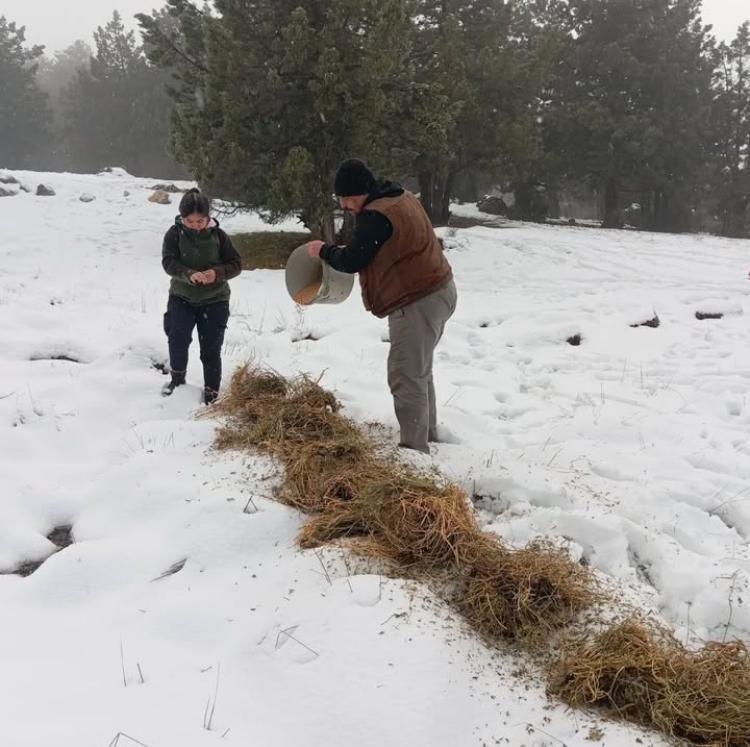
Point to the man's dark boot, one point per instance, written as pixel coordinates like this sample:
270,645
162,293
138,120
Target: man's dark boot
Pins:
209,395
178,379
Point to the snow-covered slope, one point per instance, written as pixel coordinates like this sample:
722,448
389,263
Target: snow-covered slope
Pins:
631,446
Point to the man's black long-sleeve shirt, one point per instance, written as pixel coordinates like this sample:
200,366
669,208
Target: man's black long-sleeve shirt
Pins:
371,231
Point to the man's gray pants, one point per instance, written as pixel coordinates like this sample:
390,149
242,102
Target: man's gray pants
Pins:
415,331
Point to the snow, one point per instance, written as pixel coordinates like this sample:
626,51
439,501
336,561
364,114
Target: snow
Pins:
631,448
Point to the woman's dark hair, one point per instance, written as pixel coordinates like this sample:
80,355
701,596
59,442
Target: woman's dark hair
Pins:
194,201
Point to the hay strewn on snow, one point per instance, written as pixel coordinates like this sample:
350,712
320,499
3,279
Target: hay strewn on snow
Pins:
427,529
525,593
423,525
642,673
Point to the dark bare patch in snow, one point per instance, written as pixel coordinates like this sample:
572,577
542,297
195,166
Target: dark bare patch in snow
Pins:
174,568
61,536
654,322
55,357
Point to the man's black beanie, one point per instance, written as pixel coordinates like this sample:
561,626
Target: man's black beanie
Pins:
353,178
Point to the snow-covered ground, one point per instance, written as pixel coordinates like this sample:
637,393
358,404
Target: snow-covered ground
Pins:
631,446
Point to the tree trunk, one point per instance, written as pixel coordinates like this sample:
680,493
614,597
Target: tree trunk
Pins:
346,234
661,219
426,180
445,200
647,209
612,217
327,228
734,218
521,202
435,195
529,202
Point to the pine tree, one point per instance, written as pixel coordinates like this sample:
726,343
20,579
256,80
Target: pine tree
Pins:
272,95
465,94
629,104
56,73
175,41
117,110
55,76
730,182
23,109
530,170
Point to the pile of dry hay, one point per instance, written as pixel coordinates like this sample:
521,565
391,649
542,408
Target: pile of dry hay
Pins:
428,530
640,672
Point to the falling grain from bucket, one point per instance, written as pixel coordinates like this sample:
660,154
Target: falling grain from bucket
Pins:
307,294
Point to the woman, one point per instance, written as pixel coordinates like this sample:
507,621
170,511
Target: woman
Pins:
200,258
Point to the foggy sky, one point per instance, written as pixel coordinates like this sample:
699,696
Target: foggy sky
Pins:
58,23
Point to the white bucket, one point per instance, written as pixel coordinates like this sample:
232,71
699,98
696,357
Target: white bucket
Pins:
309,280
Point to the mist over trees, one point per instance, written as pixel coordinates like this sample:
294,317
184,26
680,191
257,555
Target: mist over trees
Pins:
633,111
84,108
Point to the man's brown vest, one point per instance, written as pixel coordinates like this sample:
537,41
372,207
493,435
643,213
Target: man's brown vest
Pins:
410,265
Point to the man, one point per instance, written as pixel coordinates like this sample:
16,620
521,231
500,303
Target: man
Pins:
405,277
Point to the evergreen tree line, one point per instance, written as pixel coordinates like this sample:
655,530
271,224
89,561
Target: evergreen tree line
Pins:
84,109
623,101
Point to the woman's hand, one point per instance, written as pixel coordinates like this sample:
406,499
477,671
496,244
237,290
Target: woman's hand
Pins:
203,278
314,247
